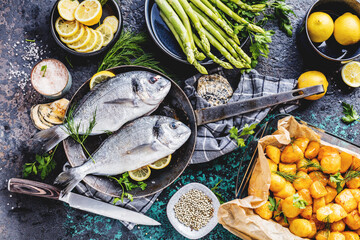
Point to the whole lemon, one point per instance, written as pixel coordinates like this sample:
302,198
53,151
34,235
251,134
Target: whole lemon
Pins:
320,26
347,29
312,78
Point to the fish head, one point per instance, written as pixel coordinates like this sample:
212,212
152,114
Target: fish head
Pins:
171,133
152,89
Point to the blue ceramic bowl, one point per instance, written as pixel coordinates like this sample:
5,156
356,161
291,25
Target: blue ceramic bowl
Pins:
164,38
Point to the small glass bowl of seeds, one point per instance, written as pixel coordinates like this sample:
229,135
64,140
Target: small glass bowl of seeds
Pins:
192,210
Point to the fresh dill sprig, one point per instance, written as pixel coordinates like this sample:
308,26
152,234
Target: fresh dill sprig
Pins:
73,130
310,164
218,195
327,222
288,176
126,185
66,58
127,51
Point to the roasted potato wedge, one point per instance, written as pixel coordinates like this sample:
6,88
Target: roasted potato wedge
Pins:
356,194
336,236
350,235
287,168
273,153
352,220
287,191
355,163
303,181
272,165
305,194
353,183
302,143
291,154
301,227
264,211
327,151
338,226
331,213
318,203
313,229
319,176
289,209
277,182
302,165
330,196
346,161
346,200
334,184
312,150
322,235
307,212
317,190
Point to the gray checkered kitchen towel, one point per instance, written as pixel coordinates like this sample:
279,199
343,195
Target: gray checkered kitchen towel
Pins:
213,139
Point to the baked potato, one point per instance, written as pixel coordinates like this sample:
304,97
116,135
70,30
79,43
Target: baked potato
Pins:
289,209
264,211
355,163
336,236
302,143
318,203
272,165
352,220
287,168
353,183
291,154
301,227
331,213
319,176
356,194
346,161
331,194
273,153
305,194
346,200
350,235
317,190
287,191
338,226
307,212
277,183
302,164
312,150
303,181
322,235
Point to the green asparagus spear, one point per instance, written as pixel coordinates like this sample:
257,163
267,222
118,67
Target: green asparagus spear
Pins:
217,35
210,55
253,8
230,13
179,28
214,17
195,20
237,48
223,51
196,64
185,20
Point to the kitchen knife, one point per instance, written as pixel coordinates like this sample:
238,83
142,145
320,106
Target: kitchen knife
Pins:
78,201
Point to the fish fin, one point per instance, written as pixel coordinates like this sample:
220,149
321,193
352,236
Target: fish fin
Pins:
70,178
46,140
142,147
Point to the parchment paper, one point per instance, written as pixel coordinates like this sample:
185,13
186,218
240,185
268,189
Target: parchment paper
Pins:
237,215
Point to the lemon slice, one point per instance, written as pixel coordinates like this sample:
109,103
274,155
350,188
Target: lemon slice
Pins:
99,77
67,8
161,163
66,28
75,37
113,23
99,41
140,174
91,44
82,41
89,12
350,74
107,33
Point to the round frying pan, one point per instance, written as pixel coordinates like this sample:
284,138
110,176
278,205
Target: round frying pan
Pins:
178,106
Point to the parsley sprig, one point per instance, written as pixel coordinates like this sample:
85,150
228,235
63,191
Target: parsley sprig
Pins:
218,195
247,130
350,113
298,202
127,185
73,130
274,206
340,181
43,164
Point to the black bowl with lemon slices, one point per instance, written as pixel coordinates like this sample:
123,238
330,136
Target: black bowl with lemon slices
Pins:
85,28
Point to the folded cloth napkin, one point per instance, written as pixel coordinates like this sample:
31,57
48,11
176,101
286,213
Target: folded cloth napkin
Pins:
213,139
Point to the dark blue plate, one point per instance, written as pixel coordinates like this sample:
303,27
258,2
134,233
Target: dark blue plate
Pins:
164,38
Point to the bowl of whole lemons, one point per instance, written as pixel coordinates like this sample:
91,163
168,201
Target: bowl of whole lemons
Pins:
332,29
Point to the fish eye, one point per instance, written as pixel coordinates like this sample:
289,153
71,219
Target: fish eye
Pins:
173,125
153,80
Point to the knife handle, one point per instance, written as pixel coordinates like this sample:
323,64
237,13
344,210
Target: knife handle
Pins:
39,189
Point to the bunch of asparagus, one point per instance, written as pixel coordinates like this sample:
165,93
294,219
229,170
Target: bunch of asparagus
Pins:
197,25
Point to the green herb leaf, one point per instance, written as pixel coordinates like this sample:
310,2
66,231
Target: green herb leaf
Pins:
68,61
299,203
288,176
43,69
311,164
30,40
115,200
127,185
350,113
339,180
218,195
247,130
273,204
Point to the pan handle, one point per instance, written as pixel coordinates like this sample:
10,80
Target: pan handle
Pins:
213,114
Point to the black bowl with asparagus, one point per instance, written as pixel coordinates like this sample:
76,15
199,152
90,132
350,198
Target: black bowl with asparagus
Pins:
211,31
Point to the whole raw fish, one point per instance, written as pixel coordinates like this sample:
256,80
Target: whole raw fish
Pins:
137,144
114,102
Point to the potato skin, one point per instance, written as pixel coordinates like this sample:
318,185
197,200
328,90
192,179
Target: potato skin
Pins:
273,166
302,143
353,183
303,181
277,182
289,209
331,164
330,196
305,194
287,168
318,203
338,226
350,235
346,161
301,227
287,191
352,220
346,200
319,176
317,190
336,236
312,150
333,210
273,153
291,154
264,211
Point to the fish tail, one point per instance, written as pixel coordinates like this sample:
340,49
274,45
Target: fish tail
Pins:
46,140
70,178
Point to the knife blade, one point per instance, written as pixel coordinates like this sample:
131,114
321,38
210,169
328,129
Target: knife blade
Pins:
78,201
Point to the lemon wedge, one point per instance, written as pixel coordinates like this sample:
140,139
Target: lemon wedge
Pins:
113,23
89,12
161,163
75,37
82,41
99,41
140,174
66,28
67,8
91,44
107,33
100,77
350,74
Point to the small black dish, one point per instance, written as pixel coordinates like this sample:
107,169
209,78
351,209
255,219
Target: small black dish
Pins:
165,40
329,52
109,9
